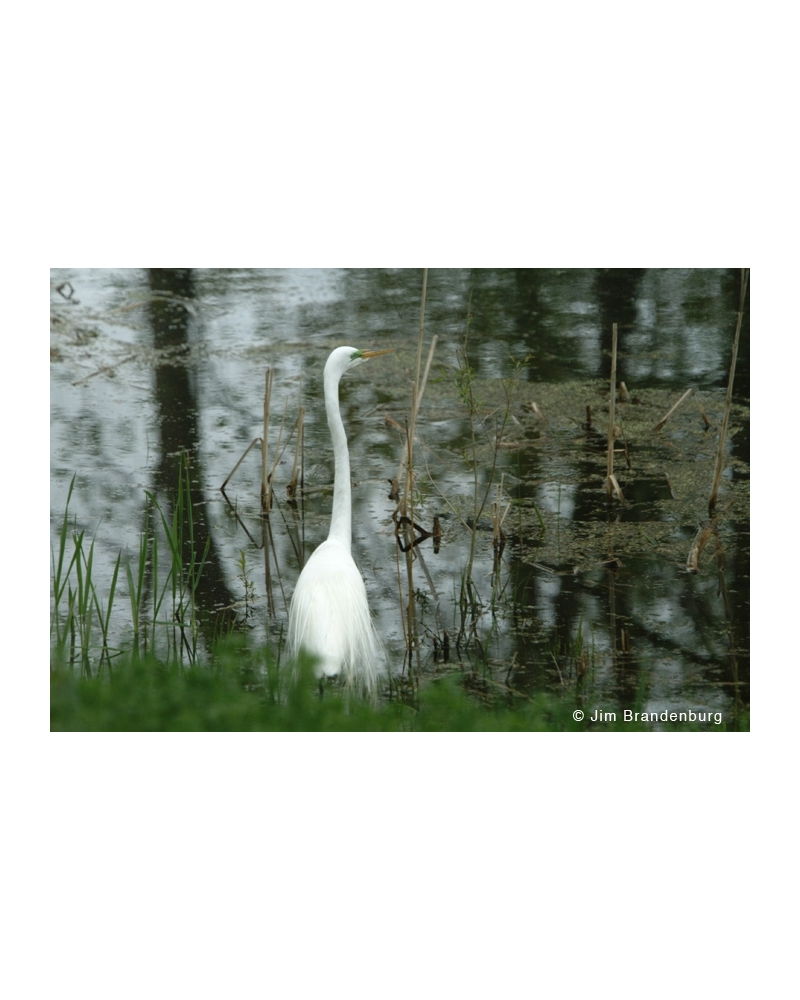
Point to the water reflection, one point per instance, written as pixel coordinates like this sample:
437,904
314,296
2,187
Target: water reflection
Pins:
195,346
170,310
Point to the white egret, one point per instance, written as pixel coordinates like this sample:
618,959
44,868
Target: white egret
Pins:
329,614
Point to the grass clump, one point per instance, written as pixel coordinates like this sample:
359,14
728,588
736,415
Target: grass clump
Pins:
80,621
243,689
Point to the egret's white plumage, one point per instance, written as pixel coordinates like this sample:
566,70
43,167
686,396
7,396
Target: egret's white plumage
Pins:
329,614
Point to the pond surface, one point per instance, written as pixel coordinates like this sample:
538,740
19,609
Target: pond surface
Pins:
587,595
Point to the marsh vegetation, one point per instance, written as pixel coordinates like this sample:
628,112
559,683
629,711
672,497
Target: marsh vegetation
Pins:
510,589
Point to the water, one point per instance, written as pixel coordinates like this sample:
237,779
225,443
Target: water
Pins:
598,600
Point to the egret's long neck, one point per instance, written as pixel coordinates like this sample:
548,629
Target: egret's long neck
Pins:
340,516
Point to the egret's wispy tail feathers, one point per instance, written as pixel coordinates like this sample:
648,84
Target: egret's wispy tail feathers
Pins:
329,618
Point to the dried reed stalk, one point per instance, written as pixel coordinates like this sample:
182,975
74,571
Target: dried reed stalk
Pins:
278,455
252,444
265,440
612,486
410,628
406,462
712,503
291,489
417,395
615,488
706,421
669,412
704,532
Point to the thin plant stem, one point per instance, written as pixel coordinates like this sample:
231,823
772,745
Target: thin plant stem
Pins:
611,406
672,409
265,440
712,503
408,492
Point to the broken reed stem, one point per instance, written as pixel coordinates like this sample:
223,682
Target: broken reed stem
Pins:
706,421
704,532
416,399
425,377
496,514
406,460
403,621
712,503
268,477
408,492
252,444
412,637
265,440
278,455
611,406
497,507
669,412
298,451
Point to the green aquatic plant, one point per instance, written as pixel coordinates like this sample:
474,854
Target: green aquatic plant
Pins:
233,692
80,622
72,578
186,564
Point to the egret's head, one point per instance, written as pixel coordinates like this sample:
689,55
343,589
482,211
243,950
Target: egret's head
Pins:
344,358
357,357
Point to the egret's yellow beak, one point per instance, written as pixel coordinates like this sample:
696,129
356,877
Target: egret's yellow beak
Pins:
366,355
